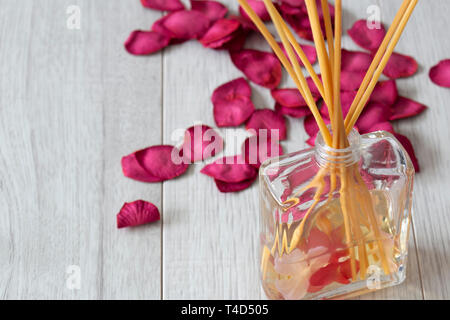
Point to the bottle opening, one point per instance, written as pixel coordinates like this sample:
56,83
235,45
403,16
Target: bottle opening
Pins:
326,155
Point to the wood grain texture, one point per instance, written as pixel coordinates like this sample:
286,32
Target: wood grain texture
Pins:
73,102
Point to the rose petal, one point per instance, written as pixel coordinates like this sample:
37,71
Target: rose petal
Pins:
355,61
182,25
299,112
227,187
261,67
351,81
369,39
373,113
409,148
347,98
259,8
200,143
301,25
309,51
400,66
145,42
324,276
382,126
220,33
290,98
137,213
405,108
266,119
440,74
154,164
230,169
213,10
163,5
312,86
385,92
232,103
257,149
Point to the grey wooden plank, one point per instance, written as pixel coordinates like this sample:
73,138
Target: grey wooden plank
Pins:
73,103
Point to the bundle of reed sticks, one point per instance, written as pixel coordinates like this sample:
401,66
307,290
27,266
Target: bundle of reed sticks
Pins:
354,194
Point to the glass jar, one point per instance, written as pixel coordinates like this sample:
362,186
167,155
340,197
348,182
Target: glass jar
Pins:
335,223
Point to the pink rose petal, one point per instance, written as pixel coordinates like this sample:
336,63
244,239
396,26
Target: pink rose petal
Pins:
373,113
230,169
266,119
385,92
200,143
409,148
351,81
440,74
369,39
347,98
290,98
298,112
261,67
405,108
400,66
256,150
182,25
154,164
145,42
227,187
259,8
163,5
355,61
232,103
382,126
312,86
213,10
301,25
137,213
309,51
220,33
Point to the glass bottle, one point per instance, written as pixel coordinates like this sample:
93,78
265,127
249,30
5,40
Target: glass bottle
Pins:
335,223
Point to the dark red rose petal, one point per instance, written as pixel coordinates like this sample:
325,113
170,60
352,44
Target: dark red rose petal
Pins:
259,8
145,42
405,108
220,33
298,112
230,170
400,66
269,120
301,25
182,25
256,150
409,148
385,92
137,213
200,143
373,113
369,39
163,5
232,103
213,10
261,67
309,51
290,98
154,164
355,61
226,187
440,74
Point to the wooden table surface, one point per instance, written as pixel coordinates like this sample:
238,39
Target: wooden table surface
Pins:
73,102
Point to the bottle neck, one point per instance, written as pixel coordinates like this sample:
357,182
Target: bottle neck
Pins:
326,155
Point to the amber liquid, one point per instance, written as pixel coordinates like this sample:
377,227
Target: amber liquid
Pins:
324,260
